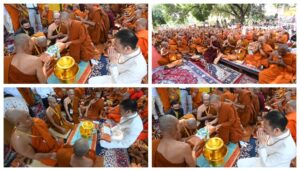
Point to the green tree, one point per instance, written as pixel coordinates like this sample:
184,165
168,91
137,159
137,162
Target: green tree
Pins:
157,16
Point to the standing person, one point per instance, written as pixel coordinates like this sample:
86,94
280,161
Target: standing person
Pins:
34,17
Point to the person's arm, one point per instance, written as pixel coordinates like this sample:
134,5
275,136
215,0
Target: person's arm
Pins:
50,117
189,156
41,72
268,160
67,108
82,37
231,120
91,23
215,121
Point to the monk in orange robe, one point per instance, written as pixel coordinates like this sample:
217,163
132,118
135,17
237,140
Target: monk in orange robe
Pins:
283,37
282,68
47,16
142,34
228,122
71,104
196,97
114,114
27,95
14,13
164,97
290,109
246,110
256,104
228,95
79,41
96,108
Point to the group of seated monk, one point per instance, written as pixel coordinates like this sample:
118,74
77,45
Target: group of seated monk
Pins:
256,47
232,114
43,140
75,31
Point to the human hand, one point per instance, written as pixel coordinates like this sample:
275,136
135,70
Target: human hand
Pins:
261,137
68,44
112,55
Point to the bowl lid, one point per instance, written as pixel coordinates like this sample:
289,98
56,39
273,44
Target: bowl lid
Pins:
214,143
65,62
87,125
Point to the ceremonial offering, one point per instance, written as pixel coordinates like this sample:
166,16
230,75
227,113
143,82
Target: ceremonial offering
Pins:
66,69
214,151
86,129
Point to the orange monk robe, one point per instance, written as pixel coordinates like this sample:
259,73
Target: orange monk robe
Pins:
185,132
164,97
59,92
75,106
291,117
257,59
96,110
256,105
27,95
81,47
59,120
79,13
278,74
143,42
227,95
105,24
284,38
43,141
197,97
230,130
14,15
114,114
247,115
79,92
96,30
47,19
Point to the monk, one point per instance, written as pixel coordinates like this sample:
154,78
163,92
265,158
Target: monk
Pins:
142,34
196,97
24,67
94,22
205,112
78,159
55,117
290,110
14,13
282,67
228,94
27,95
213,51
168,152
56,30
31,137
47,16
228,123
79,41
95,109
114,114
245,107
71,104
187,126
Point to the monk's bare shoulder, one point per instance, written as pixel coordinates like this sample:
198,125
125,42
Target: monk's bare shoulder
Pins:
19,140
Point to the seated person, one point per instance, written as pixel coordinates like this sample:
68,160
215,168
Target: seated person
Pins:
276,145
79,159
56,30
25,28
187,127
95,109
205,112
125,133
175,109
55,117
168,151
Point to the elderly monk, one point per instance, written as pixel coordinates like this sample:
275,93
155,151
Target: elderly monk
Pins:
31,137
55,117
79,159
95,109
71,104
282,67
47,16
168,151
142,34
94,22
24,67
187,126
228,122
56,30
79,41
245,107
290,110
205,112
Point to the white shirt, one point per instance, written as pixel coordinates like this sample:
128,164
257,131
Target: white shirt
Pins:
124,134
278,154
44,92
31,5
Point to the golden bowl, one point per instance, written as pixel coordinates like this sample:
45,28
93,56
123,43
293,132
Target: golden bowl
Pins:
86,129
215,151
66,69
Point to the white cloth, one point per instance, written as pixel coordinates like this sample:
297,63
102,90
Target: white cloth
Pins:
13,91
8,22
130,70
125,133
278,154
44,92
14,103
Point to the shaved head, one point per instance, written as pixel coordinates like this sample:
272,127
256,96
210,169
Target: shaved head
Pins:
56,15
16,116
214,98
22,41
51,99
64,16
142,22
191,123
292,104
81,147
168,124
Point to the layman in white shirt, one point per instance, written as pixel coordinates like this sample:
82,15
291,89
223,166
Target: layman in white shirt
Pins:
276,145
125,133
127,64
34,17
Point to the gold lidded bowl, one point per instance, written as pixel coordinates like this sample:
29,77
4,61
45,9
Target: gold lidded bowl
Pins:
66,69
86,129
215,151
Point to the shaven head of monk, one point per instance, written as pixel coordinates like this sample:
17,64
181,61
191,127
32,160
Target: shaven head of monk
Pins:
290,106
71,93
140,24
283,49
81,147
20,118
190,123
23,43
215,101
52,101
46,8
169,126
125,42
65,19
205,98
56,17
89,6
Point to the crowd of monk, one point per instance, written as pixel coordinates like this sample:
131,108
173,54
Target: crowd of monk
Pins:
233,114
265,49
32,139
82,31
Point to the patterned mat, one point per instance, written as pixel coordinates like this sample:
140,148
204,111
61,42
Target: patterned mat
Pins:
116,158
250,150
101,68
245,79
188,73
